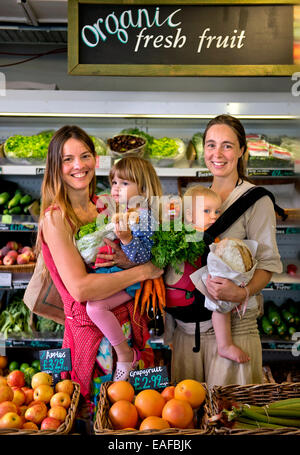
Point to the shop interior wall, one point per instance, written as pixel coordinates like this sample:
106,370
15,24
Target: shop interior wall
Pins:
52,70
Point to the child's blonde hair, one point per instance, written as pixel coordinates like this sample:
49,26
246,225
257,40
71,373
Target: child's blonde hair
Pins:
201,190
139,171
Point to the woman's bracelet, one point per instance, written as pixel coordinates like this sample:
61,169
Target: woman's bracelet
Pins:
247,293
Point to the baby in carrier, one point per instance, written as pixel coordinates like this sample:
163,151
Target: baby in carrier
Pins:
181,295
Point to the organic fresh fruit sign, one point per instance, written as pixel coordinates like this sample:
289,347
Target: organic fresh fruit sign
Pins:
149,378
148,38
55,361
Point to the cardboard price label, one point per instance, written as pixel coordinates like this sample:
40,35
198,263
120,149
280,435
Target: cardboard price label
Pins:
149,378
55,361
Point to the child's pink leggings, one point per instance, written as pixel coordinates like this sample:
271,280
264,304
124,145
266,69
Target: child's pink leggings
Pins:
99,311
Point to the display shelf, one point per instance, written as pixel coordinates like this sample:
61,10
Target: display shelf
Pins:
34,343
184,171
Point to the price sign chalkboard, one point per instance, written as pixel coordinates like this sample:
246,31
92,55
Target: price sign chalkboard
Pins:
149,378
55,361
136,37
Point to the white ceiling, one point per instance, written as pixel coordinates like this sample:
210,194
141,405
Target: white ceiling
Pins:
44,11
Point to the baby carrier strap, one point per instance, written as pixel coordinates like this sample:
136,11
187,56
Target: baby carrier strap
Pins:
236,210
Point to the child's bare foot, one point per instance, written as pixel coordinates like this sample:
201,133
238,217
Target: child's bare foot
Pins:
234,353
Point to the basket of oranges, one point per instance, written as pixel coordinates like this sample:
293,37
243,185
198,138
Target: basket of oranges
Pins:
181,409
40,409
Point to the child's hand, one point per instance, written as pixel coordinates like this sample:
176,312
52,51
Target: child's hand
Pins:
122,229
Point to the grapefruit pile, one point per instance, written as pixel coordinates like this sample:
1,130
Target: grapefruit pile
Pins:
174,407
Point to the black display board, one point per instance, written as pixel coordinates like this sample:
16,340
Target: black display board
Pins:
186,35
149,378
173,38
55,361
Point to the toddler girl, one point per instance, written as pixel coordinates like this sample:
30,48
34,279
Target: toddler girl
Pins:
133,183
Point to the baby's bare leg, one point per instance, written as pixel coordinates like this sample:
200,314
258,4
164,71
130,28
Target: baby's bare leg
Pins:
222,327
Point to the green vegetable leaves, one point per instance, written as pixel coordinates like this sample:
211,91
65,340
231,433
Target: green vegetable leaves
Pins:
15,319
28,147
174,246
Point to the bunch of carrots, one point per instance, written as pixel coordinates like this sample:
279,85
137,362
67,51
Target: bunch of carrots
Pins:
151,295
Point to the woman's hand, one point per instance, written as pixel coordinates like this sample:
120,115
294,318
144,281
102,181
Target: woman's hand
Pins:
224,289
118,258
151,271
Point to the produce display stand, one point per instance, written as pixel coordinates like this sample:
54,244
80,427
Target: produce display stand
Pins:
258,395
103,425
64,428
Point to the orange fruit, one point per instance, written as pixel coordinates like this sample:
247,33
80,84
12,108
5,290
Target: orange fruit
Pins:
154,423
191,391
120,390
149,403
178,413
3,361
168,392
123,414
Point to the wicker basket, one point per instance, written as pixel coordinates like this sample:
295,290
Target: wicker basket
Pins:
267,375
255,394
18,268
64,428
103,425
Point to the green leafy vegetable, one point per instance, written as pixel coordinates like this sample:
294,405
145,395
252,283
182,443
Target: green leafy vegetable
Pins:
86,229
100,146
28,147
15,319
45,325
163,148
173,245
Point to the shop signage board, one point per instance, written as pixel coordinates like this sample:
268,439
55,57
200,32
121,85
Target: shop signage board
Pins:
176,38
55,361
149,378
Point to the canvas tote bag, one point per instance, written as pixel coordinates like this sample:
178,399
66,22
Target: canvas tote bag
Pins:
42,297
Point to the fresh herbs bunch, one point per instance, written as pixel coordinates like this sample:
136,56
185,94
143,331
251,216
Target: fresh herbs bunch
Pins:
172,245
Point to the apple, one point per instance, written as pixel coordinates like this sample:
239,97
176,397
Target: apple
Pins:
22,410
23,258
16,378
43,393
4,251
19,396
50,424
25,248
3,381
60,399
30,426
13,254
12,245
6,393
58,412
11,420
29,394
29,251
8,260
36,413
65,386
40,378
7,406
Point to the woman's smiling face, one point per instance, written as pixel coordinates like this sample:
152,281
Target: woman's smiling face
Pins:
78,164
222,151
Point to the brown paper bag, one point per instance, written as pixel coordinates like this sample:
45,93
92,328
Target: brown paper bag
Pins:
42,297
